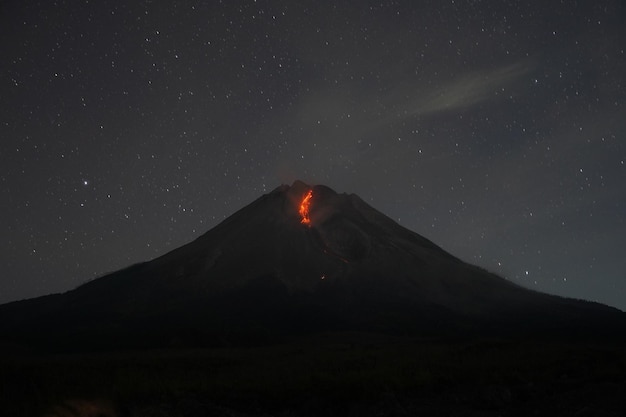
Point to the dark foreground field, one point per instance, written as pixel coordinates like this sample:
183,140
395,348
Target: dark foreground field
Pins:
351,375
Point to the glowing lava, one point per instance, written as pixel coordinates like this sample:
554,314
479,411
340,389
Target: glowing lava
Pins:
304,208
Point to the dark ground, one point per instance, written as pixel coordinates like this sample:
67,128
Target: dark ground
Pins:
329,375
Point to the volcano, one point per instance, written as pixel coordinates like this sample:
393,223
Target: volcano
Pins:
301,259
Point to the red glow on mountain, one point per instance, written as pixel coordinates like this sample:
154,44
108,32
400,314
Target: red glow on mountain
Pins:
304,208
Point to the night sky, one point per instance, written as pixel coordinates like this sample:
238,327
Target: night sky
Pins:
497,129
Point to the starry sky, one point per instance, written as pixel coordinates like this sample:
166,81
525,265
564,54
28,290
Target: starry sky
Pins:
497,129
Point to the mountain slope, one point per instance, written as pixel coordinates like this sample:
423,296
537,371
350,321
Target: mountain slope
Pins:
286,264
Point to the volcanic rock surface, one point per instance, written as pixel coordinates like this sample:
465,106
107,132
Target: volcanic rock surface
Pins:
265,273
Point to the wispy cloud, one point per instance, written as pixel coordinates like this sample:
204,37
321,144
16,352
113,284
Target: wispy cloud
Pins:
469,89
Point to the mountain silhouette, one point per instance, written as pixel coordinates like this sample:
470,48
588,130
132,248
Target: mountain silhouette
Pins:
298,260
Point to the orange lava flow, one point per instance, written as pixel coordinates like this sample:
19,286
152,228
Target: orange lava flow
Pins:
304,208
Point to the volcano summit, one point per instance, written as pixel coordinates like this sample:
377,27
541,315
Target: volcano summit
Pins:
299,259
